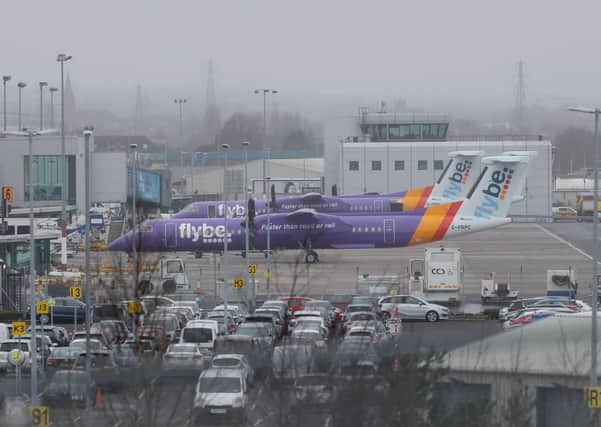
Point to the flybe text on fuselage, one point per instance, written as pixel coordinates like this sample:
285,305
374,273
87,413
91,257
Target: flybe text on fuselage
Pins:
493,192
233,210
457,178
202,231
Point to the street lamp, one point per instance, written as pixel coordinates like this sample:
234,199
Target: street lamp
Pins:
62,58
225,148
192,165
20,85
265,92
88,131
29,134
134,246
4,80
595,292
52,90
180,102
42,84
246,224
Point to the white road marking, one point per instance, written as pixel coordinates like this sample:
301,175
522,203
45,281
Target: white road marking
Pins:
565,242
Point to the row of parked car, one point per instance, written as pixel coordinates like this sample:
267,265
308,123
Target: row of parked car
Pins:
528,310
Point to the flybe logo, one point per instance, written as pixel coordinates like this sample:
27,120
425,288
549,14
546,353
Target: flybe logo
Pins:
208,233
457,178
233,211
495,191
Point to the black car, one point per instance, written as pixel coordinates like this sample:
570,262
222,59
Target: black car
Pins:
69,387
64,310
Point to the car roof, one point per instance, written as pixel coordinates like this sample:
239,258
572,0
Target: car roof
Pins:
308,313
229,356
220,372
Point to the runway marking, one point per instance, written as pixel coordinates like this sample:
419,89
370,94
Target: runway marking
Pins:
565,242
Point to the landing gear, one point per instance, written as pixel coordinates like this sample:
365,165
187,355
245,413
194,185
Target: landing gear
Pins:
311,257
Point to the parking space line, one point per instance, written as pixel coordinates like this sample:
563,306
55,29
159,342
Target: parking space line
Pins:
565,242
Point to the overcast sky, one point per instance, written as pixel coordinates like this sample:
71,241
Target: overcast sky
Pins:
428,52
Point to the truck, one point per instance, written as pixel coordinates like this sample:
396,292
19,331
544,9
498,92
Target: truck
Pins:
562,283
585,204
493,291
438,276
168,278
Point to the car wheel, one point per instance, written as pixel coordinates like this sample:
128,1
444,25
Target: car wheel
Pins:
432,316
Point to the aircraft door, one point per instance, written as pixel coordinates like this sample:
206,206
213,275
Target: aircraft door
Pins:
389,230
170,235
378,205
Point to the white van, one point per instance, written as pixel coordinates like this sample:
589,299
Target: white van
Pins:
5,331
203,333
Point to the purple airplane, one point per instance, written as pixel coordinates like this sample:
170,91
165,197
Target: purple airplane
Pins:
486,206
453,184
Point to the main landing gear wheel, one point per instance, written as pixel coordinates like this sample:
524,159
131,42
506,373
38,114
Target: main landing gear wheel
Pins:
311,257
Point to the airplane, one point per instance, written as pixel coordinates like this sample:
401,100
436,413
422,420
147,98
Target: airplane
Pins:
453,184
485,206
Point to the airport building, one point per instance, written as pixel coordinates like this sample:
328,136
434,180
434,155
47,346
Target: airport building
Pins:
390,152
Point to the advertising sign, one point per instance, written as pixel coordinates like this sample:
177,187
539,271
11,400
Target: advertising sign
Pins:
148,186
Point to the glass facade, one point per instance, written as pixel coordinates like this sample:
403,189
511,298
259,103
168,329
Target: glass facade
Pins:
47,178
407,131
399,165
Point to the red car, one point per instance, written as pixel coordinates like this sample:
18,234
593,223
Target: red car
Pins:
295,303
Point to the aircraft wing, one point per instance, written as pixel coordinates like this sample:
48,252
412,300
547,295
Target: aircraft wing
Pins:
301,215
311,198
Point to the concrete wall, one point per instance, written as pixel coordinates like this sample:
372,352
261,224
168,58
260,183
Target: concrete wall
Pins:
539,187
109,177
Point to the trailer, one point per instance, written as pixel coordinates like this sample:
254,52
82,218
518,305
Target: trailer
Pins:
438,276
562,283
497,292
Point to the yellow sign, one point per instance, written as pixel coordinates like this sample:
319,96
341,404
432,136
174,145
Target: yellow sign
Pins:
7,194
238,283
19,329
75,292
40,416
592,397
252,269
39,285
41,307
134,307
268,275
51,302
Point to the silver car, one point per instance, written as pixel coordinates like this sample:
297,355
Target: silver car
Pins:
182,358
411,307
220,393
235,361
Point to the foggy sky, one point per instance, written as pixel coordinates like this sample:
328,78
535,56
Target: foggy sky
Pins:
432,53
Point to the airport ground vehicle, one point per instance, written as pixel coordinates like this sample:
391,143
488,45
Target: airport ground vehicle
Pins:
170,277
438,276
495,292
585,204
220,393
203,334
562,283
564,212
411,307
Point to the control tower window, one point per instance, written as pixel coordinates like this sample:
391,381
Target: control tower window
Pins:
438,164
394,131
399,165
422,165
353,165
376,165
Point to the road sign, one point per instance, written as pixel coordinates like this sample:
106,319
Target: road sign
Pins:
75,292
41,307
267,275
51,302
252,269
592,397
7,193
239,283
134,307
16,357
19,329
40,416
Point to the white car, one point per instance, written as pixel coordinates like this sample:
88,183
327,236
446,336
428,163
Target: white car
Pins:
411,307
301,314
220,393
7,346
183,358
235,361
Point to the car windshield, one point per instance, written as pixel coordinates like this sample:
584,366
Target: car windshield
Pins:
197,335
8,346
97,360
308,322
81,345
226,362
252,331
362,316
219,385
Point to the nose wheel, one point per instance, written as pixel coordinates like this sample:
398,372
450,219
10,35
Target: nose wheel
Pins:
311,257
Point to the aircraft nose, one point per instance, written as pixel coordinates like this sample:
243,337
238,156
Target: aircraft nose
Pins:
122,243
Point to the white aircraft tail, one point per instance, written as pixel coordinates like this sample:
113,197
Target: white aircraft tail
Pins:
457,178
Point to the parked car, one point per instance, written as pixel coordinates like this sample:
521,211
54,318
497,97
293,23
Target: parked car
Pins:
64,310
104,368
295,303
516,306
182,359
221,394
235,361
68,387
313,390
7,346
61,358
411,307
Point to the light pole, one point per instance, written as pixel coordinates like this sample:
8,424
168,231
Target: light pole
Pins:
134,234
87,133
268,274
62,58
20,85
246,224
52,90
5,79
595,292
225,148
42,84
193,164
29,134
265,92
180,102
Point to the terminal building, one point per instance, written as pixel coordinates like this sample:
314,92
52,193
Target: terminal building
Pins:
391,152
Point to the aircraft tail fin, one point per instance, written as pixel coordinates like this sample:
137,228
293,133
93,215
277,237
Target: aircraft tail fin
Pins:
502,180
457,178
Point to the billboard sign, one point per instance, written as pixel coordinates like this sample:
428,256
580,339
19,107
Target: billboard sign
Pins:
290,186
148,186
